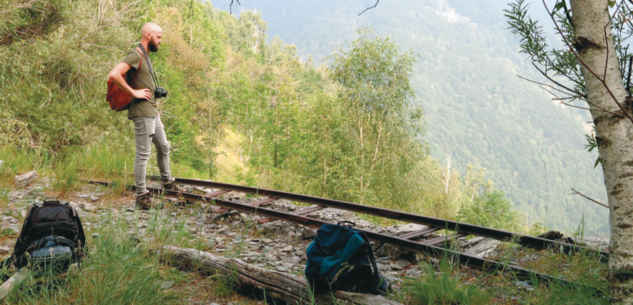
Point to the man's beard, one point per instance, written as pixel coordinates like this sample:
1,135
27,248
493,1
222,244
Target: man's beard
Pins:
152,46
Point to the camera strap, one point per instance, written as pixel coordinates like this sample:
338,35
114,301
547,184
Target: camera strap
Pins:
149,64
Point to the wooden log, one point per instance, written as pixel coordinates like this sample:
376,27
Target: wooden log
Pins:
276,285
10,283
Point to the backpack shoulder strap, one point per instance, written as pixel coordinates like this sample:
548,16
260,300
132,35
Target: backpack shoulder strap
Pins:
139,67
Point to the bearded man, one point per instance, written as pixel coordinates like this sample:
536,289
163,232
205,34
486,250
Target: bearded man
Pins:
142,111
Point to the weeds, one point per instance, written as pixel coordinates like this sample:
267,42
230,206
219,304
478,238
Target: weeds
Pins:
444,288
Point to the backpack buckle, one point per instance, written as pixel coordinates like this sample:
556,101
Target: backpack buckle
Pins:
345,223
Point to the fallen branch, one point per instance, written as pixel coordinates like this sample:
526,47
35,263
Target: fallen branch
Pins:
277,285
10,283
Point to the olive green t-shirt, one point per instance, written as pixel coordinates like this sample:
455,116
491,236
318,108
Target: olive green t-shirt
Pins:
144,108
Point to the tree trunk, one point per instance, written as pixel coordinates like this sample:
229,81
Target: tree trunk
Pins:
280,286
613,135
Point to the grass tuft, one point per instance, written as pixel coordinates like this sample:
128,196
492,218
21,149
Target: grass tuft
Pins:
444,288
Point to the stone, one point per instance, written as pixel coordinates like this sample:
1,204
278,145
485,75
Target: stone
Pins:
94,198
286,249
284,267
525,285
23,213
413,273
84,195
332,211
308,233
483,248
408,228
5,250
399,264
90,207
25,179
387,250
471,242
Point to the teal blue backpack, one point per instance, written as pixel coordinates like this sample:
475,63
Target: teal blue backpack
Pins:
341,258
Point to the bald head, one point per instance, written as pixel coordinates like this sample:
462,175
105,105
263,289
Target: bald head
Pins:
151,28
152,36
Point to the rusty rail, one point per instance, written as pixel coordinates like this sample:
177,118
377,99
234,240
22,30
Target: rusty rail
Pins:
405,241
463,228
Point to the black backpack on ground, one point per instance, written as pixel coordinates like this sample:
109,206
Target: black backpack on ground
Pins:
51,234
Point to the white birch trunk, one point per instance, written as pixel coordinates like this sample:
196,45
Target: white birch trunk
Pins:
613,134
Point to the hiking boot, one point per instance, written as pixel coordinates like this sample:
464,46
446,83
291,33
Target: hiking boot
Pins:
170,184
143,201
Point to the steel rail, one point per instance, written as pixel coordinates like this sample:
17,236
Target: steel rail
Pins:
432,250
464,259
463,228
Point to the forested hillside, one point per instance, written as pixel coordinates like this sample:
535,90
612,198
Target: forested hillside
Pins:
477,110
241,108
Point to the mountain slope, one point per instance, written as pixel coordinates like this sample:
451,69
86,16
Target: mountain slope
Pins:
477,110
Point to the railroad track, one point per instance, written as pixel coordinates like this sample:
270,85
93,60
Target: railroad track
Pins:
430,246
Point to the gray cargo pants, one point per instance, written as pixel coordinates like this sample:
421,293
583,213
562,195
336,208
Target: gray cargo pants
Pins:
146,131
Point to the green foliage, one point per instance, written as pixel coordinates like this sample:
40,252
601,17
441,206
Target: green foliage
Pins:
476,108
351,132
491,209
444,288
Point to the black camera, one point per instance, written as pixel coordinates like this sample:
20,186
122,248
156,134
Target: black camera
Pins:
160,92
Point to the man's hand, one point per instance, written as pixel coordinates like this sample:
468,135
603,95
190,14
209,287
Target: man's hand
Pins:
142,94
117,75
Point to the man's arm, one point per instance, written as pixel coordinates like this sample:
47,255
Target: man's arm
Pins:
117,76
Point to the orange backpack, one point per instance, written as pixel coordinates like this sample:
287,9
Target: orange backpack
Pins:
120,100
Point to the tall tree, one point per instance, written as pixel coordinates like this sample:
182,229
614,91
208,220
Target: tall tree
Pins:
591,67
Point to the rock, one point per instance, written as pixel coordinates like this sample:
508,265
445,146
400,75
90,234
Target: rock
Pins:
308,233
387,250
525,285
1,162
284,267
286,249
332,212
90,207
94,198
408,228
399,264
5,250
23,213
25,179
483,248
413,273
471,242
84,195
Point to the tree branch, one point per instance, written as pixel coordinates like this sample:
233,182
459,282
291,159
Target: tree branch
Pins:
604,83
231,5
369,7
598,202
